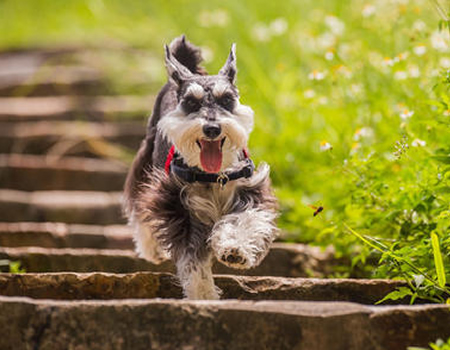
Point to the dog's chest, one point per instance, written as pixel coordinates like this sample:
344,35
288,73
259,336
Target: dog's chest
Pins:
209,203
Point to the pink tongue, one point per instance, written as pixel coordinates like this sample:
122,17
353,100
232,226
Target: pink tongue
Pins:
211,156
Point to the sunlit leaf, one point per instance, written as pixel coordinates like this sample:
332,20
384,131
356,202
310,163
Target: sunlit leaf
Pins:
399,293
438,261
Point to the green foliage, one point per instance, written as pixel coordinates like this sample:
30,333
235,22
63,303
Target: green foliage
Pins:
16,267
351,101
438,345
12,266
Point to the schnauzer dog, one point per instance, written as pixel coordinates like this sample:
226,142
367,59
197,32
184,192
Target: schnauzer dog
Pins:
193,192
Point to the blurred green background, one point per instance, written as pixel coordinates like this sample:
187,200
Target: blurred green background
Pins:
351,110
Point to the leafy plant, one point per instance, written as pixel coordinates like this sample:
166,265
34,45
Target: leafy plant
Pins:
12,266
438,345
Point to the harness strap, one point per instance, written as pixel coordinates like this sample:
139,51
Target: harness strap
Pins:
191,175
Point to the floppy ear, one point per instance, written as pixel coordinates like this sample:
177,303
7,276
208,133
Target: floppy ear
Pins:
176,71
230,69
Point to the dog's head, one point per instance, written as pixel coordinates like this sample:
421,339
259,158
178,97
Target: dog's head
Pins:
209,127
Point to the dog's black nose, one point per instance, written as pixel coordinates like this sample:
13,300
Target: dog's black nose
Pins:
211,131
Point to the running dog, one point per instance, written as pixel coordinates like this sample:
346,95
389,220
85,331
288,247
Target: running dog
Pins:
192,192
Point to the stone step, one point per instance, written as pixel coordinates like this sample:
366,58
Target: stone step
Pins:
32,173
60,235
284,259
99,108
139,285
72,207
228,324
74,136
47,80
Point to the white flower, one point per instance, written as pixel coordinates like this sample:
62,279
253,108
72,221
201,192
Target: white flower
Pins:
419,25
420,50
278,26
368,10
406,114
418,143
329,55
336,26
418,280
414,71
310,93
364,132
207,54
218,18
344,71
345,50
356,89
325,146
439,40
400,75
316,75
435,73
326,40
387,61
322,100
402,56
261,32
445,62
264,33
446,113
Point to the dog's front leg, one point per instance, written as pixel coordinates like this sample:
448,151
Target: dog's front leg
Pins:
241,240
196,277
192,258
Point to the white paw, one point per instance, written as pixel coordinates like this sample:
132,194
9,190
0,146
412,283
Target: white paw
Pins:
236,258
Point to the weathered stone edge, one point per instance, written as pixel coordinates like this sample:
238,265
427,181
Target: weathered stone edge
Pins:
19,109
294,260
164,285
171,324
62,235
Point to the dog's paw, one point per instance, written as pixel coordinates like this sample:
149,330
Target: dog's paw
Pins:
235,258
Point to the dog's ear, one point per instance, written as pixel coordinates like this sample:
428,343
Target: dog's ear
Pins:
176,71
230,69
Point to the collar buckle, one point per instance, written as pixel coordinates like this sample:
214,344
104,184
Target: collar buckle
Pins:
222,180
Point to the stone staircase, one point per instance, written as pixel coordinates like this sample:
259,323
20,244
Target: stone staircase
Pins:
64,147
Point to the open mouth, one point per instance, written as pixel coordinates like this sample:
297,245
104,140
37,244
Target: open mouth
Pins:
211,154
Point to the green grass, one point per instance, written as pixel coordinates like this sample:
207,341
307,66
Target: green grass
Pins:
385,177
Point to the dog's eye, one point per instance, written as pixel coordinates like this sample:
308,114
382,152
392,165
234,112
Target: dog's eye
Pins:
226,101
190,104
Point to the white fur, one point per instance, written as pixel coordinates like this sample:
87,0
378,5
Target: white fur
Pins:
197,280
220,88
249,233
184,131
195,90
209,204
146,242
244,114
